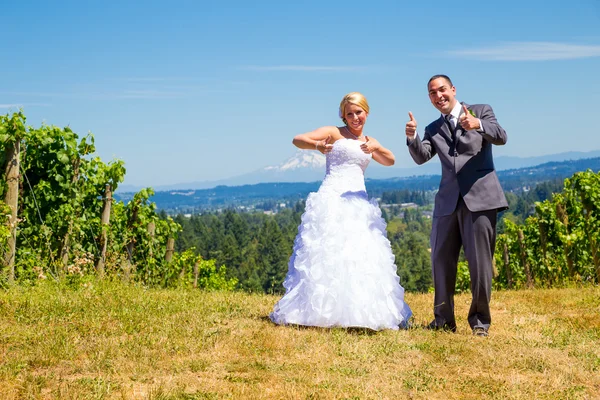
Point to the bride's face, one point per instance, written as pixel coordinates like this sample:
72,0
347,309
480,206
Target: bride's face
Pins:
355,117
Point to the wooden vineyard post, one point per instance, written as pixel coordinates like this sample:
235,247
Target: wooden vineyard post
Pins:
11,199
524,259
105,225
129,267
196,272
507,266
170,249
151,233
66,247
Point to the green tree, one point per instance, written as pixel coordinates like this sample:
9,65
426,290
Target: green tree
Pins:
273,256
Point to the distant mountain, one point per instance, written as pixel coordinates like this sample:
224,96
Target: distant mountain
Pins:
269,194
300,160
507,162
309,166
501,163
303,166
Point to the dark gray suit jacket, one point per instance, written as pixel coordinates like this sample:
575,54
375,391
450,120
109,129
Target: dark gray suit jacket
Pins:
467,162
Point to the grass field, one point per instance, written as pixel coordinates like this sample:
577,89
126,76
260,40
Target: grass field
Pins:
107,340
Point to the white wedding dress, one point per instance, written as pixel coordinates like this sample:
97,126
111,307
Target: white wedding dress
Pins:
342,272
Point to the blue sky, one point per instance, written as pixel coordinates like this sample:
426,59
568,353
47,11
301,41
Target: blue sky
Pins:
197,90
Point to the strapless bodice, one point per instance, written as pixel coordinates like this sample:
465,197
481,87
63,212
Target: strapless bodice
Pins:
345,167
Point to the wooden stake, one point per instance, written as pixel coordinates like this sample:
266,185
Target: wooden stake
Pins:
196,272
105,225
12,156
170,250
524,259
507,266
66,247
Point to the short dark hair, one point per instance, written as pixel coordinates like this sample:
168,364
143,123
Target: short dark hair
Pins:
446,77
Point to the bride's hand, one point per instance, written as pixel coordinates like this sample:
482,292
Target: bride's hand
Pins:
324,146
370,146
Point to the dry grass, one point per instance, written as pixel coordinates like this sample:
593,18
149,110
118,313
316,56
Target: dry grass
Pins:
114,341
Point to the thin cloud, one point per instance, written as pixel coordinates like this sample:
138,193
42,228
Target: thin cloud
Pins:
149,89
301,68
159,79
105,94
21,105
150,94
36,94
529,51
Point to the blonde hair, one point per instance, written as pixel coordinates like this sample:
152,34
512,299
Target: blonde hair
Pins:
353,98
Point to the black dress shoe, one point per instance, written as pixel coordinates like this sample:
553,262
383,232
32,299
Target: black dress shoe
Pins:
447,327
479,331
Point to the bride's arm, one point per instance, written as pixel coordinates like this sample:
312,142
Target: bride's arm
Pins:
380,154
315,140
384,157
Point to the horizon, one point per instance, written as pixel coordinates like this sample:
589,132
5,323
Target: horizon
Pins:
405,172
205,92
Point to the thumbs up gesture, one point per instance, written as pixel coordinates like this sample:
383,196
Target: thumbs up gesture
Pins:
411,126
325,146
370,145
468,121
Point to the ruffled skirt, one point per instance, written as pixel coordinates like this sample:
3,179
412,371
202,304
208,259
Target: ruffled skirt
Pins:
342,271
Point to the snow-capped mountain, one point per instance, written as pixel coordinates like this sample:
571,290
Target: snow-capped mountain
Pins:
303,166
300,160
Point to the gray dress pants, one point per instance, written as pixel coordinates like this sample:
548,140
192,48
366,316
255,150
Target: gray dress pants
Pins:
476,232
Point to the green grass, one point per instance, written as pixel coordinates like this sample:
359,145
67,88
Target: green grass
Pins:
109,340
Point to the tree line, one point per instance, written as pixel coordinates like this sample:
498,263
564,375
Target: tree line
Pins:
256,247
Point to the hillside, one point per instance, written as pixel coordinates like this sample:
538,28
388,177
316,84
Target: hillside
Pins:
109,341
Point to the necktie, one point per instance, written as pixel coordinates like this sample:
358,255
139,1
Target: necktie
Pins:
450,122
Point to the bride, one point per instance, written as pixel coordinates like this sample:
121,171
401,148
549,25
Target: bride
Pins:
342,272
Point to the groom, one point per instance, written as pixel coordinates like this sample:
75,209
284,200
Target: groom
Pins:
467,202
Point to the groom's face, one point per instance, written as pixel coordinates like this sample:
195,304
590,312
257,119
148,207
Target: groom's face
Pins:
442,94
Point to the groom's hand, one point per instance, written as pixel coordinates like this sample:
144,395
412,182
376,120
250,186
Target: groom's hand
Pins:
411,127
468,121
